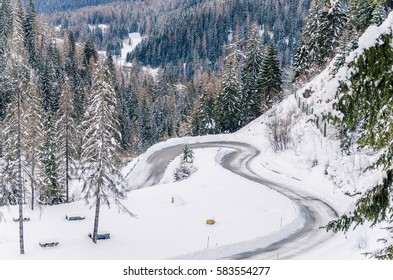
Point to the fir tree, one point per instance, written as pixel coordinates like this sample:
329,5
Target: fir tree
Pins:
66,137
271,82
362,13
17,47
251,76
100,159
51,193
30,27
145,126
325,26
378,15
230,96
206,114
5,27
365,103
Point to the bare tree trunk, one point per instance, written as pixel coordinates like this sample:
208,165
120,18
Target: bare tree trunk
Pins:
19,180
32,181
66,167
97,217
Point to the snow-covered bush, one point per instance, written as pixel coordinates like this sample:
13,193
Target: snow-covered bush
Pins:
186,167
280,132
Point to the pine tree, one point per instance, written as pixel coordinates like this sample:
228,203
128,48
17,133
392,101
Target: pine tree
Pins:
100,159
251,76
230,96
46,86
378,15
30,27
271,82
5,27
362,13
17,46
66,137
145,126
325,26
206,114
51,192
365,103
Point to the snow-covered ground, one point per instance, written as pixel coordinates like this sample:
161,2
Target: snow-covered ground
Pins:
163,229
129,44
245,212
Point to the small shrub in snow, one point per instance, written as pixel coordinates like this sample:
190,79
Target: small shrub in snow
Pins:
183,172
280,132
186,167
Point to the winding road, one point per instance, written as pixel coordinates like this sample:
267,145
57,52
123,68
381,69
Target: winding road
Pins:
314,210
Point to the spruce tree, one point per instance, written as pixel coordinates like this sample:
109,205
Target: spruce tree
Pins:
5,27
362,14
229,99
52,192
325,25
30,27
66,137
251,77
207,119
271,81
145,126
365,105
378,15
100,159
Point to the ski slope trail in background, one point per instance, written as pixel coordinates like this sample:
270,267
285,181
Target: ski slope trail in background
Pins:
314,210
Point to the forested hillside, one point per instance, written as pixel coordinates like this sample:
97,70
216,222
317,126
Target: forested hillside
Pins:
188,34
51,6
347,53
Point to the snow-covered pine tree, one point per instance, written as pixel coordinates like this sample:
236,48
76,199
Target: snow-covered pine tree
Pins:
251,77
5,27
361,13
66,137
333,22
51,192
34,140
305,53
46,85
30,27
100,152
207,119
378,15
325,25
145,126
186,167
229,99
365,103
126,129
271,77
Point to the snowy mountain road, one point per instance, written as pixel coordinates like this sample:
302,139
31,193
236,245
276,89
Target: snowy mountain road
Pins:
314,211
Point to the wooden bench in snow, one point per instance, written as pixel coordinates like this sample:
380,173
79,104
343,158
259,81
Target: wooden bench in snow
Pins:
75,217
101,235
24,219
49,243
